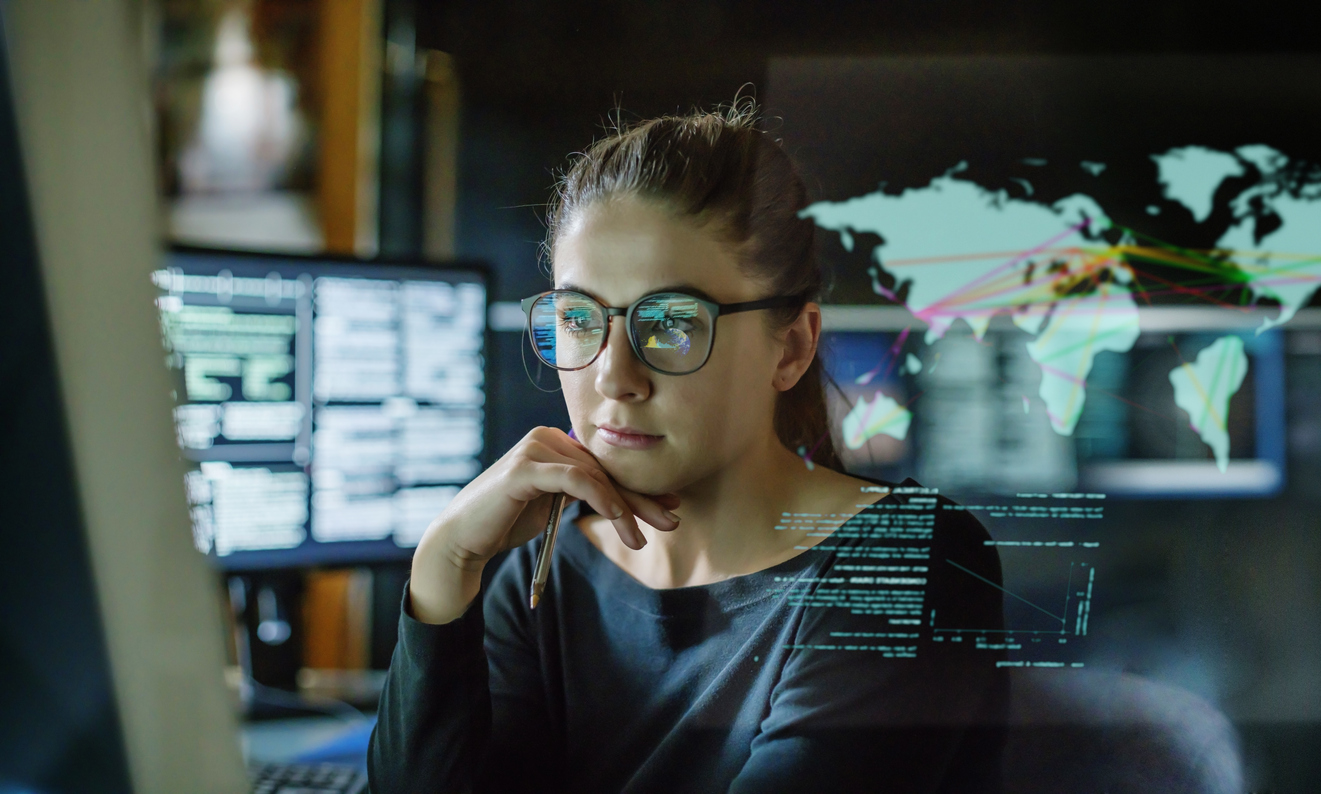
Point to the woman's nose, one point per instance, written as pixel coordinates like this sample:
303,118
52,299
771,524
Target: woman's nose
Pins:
619,373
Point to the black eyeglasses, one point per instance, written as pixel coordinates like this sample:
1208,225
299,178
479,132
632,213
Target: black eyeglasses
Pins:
671,332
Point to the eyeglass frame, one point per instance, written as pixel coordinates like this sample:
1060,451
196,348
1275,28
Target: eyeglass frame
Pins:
716,310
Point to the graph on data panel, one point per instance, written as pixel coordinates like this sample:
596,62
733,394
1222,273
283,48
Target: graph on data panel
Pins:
1049,581
1047,620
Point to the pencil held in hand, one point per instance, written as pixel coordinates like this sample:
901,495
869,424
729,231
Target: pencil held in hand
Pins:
542,569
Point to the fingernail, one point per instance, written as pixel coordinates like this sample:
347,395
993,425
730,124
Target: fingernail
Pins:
616,511
670,516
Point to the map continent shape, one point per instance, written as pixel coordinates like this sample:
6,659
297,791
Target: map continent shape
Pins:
1282,265
882,415
968,252
953,237
1191,175
1079,328
1203,389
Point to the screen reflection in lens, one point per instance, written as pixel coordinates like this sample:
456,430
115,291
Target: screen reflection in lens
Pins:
672,332
568,329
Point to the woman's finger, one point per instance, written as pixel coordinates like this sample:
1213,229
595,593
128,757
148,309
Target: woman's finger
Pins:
649,510
603,495
555,446
669,501
571,479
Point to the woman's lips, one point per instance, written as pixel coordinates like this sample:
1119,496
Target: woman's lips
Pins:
627,437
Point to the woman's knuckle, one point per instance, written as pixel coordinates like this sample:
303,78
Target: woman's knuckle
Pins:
583,477
532,450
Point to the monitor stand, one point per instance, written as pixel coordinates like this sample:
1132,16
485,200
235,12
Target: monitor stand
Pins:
268,639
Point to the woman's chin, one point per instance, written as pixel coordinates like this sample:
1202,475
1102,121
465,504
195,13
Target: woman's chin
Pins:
642,472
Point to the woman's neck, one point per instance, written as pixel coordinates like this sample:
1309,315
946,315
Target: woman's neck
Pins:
729,520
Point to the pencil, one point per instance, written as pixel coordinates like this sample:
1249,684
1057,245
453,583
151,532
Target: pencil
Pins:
542,569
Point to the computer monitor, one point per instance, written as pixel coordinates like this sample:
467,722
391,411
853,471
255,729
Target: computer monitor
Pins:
111,646
331,408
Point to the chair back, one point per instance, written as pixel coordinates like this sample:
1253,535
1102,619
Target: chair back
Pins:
1082,731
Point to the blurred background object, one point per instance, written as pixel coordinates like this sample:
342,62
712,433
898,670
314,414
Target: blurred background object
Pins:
305,126
238,122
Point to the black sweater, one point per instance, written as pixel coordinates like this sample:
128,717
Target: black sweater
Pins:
821,673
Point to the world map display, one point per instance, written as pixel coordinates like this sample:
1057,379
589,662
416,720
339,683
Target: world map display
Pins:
1069,276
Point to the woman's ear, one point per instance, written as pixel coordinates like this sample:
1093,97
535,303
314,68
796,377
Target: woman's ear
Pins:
799,343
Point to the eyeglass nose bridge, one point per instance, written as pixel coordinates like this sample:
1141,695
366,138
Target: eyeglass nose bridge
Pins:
610,313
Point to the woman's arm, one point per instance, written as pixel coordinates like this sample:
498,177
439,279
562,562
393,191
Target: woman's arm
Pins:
434,717
452,719
464,707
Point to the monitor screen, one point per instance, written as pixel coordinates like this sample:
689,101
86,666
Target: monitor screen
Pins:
331,409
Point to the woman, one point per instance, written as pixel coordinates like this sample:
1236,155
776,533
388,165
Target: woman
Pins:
719,616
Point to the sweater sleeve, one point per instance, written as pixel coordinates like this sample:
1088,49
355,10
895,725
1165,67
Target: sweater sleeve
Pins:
463,709
434,717
849,719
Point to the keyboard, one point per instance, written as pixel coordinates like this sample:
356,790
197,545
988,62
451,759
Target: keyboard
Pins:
307,779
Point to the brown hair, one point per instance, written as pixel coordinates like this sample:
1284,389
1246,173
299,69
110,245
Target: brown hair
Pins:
721,170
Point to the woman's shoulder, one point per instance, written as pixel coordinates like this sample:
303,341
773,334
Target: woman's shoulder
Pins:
843,493
959,552
908,511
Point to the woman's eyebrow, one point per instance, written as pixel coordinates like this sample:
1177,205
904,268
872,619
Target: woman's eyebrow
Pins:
687,289
571,287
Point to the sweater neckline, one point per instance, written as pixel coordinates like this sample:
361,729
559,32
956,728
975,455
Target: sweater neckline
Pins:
612,581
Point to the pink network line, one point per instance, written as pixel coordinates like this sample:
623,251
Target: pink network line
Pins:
1059,373
866,420
1077,380
1177,287
983,311
1090,267
866,377
1200,290
1006,266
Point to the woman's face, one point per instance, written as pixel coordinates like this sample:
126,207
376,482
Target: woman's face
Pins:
658,433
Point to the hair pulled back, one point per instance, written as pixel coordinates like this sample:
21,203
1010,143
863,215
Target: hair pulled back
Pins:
723,172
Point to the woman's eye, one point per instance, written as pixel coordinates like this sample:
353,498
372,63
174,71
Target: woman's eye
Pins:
574,324
678,324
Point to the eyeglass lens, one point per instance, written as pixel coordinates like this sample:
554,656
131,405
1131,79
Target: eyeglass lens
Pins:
672,332
568,329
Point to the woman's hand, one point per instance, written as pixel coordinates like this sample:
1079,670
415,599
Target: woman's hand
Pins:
508,505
